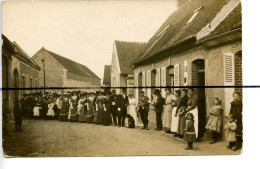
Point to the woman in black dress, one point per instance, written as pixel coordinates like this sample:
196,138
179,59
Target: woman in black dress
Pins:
181,106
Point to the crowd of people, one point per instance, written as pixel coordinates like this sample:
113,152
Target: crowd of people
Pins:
177,113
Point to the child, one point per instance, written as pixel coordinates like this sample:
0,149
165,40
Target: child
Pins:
131,121
36,111
189,131
50,113
215,120
230,128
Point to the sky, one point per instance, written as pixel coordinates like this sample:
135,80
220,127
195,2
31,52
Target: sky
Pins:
83,31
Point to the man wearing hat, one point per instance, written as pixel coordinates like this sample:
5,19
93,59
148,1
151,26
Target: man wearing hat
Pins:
143,109
158,108
121,104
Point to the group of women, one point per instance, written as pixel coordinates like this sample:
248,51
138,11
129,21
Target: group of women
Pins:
185,101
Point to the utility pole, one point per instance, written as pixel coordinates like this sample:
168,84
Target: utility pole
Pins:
44,85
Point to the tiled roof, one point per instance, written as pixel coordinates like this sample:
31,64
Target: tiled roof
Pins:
90,72
127,52
107,75
232,22
14,49
175,29
70,65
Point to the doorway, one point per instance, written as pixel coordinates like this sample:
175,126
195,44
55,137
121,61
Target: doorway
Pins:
199,80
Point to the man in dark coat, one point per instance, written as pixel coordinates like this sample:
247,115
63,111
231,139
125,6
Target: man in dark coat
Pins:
17,116
121,104
144,109
158,108
113,100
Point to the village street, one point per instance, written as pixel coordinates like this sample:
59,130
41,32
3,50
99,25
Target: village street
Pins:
51,138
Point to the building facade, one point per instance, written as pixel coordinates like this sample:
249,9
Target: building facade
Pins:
19,71
122,75
190,51
107,76
65,73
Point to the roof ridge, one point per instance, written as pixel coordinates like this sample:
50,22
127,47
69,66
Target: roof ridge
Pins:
130,42
16,44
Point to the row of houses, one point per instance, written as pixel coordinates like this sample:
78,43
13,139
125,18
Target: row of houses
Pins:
200,44
20,71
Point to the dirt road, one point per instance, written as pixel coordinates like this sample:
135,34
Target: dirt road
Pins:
52,138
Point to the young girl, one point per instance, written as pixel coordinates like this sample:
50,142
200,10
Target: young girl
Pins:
50,113
230,128
189,131
215,121
36,111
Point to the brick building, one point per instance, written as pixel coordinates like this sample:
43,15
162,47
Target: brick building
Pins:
198,45
63,72
18,71
107,76
124,53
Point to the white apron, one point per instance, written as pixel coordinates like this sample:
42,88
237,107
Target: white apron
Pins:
175,121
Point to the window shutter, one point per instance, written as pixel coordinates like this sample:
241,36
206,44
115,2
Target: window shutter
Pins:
229,77
143,80
158,77
229,80
148,84
136,86
177,75
185,73
163,81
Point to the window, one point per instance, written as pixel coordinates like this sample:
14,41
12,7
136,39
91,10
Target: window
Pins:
194,15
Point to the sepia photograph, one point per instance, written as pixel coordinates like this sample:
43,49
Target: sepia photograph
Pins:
122,78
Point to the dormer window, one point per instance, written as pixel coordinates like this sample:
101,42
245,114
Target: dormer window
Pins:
163,31
194,15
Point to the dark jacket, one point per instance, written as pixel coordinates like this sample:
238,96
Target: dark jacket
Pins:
158,106
236,109
122,102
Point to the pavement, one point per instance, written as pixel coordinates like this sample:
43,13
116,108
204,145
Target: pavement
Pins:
51,138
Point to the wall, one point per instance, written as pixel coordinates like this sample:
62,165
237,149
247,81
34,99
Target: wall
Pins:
214,71
28,73
115,71
53,70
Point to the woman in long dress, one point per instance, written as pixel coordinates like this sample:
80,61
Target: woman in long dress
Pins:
64,108
215,120
175,117
132,108
167,113
91,108
73,108
181,105
107,120
99,108
193,109
81,111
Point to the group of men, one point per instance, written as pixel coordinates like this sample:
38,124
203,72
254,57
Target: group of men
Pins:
119,104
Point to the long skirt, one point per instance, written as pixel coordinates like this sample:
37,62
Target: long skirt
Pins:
181,126
82,116
90,116
74,115
175,121
167,116
196,120
107,120
100,114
